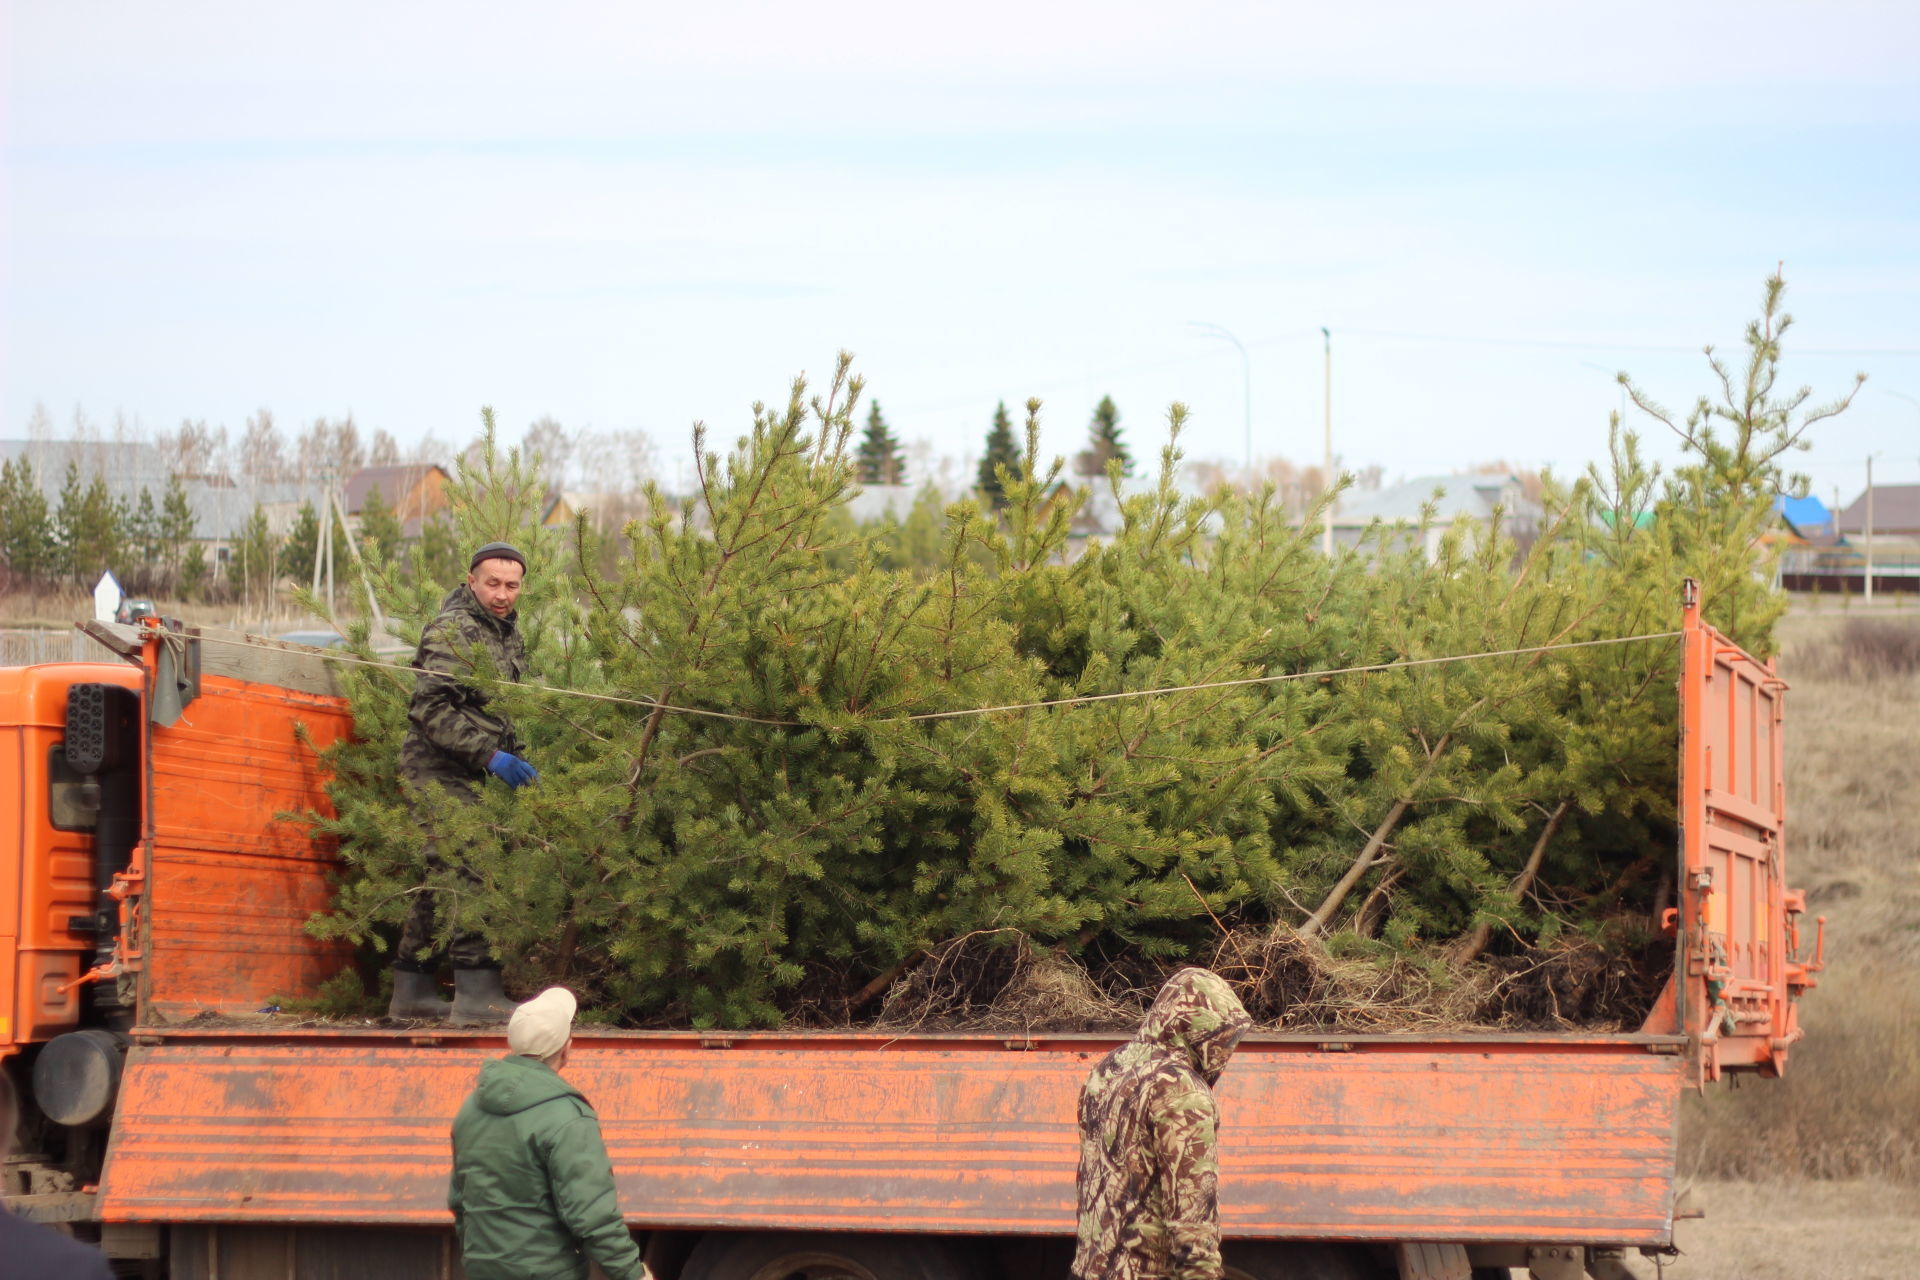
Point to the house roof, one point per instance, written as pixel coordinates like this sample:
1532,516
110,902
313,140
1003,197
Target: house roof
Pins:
219,506
1804,513
127,466
1896,508
394,483
1475,495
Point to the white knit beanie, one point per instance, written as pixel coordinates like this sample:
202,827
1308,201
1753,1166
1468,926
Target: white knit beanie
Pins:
542,1026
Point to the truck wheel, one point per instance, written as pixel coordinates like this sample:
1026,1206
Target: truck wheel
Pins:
823,1257
1286,1260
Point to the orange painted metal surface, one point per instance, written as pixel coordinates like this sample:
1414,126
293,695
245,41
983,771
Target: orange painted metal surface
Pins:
46,874
1742,967
1488,1138
231,884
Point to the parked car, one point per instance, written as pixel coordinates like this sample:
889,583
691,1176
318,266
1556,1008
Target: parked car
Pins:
383,644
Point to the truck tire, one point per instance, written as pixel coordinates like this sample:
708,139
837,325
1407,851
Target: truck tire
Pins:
789,1256
1287,1260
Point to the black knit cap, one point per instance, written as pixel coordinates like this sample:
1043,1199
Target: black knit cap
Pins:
497,551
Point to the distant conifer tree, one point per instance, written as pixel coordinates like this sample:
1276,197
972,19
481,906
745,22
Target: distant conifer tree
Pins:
880,459
28,543
1003,453
1103,443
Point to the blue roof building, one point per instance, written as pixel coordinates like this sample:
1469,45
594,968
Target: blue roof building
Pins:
1807,515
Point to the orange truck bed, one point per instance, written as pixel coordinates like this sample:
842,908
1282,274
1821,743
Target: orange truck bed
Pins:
1478,1138
1514,1139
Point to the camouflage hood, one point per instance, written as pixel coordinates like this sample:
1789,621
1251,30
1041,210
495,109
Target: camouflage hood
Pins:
1197,1015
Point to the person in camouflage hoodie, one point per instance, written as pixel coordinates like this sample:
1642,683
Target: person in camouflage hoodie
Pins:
455,738
1148,1127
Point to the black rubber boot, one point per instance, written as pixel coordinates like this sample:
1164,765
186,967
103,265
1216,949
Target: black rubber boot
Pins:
416,998
479,998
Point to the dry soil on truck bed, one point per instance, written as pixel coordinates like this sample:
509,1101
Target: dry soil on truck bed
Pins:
1866,1230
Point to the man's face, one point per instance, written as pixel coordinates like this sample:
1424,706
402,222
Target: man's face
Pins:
496,585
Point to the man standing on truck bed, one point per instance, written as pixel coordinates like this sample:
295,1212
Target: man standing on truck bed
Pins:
1149,1207
532,1190
455,738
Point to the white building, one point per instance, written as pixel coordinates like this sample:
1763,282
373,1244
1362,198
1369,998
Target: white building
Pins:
1475,496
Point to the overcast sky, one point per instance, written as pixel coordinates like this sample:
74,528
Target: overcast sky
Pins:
625,215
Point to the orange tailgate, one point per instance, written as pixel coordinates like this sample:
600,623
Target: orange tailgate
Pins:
1739,923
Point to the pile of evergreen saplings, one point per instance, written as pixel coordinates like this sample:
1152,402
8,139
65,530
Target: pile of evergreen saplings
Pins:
1476,842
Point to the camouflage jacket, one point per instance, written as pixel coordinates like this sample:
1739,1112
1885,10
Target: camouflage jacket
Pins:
451,731
1148,1125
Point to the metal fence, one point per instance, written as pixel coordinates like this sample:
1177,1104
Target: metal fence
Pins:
20,647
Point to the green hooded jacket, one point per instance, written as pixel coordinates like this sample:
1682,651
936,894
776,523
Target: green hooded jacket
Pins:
532,1191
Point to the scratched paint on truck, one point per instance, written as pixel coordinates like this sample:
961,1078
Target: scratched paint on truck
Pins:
1488,1139
231,885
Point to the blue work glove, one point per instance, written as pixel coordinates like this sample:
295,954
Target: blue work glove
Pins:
512,770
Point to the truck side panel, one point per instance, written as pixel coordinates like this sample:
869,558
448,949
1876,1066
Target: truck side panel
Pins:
1487,1139
231,883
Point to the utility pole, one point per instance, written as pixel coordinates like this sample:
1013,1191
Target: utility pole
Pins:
322,541
1246,391
1326,524
1869,538
360,564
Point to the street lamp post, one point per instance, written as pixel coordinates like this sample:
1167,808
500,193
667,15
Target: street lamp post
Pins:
1326,525
1246,370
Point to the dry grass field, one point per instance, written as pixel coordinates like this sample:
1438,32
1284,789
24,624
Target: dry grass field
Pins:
1805,1230
1818,1174
61,609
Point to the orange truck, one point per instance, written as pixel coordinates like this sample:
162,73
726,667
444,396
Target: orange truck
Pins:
152,900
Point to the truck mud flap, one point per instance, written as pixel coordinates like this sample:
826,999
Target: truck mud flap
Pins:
1490,1139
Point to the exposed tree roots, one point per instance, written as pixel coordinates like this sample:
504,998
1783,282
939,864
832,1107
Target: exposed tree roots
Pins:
1003,981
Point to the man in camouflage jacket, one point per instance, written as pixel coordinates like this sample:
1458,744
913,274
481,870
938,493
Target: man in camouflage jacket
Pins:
455,738
1148,1127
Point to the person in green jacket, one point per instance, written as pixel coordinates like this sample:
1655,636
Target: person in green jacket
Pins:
532,1190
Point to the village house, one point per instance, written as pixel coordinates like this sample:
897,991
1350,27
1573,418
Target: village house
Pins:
414,492
1475,496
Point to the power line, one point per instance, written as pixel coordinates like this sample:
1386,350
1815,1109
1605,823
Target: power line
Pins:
1581,344
256,642
1394,335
